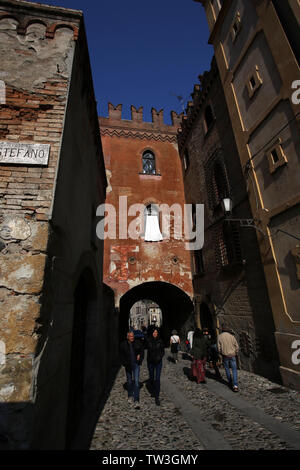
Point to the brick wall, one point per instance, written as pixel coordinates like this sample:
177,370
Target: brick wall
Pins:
235,295
50,257
124,142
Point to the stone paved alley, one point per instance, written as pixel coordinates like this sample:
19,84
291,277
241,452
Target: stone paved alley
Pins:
263,415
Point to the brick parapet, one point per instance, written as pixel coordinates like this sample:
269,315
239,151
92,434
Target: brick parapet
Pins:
114,125
27,13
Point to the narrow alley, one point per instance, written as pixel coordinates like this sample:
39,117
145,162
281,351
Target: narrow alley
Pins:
262,416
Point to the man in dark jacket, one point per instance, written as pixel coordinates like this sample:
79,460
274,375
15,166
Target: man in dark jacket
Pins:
132,355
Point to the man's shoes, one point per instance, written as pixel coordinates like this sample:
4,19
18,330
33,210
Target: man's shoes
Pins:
235,388
137,405
130,400
157,402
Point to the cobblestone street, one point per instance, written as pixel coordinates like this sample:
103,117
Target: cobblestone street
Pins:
263,415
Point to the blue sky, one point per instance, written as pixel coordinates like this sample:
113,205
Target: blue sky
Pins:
144,52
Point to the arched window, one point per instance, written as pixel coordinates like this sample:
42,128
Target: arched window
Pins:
149,163
208,117
152,229
216,178
186,159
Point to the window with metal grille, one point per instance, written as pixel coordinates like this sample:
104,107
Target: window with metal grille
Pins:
149,163
220,185
217,182
228,244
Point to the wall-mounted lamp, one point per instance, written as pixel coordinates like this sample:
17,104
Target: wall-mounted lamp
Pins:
227,205
227,208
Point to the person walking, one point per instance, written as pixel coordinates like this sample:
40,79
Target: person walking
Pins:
229,348
132,355
174,343
156,352
199,353
190,340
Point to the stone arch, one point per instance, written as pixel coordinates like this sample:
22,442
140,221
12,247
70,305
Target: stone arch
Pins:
176,306
34,26
34,21
7,16
52,29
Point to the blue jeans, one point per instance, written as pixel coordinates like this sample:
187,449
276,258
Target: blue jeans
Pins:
231,361
157,369
133,382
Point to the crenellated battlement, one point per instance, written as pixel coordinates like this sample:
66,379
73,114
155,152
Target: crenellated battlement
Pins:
137,122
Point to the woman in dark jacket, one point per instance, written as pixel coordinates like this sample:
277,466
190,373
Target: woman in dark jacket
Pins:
199,352
156,351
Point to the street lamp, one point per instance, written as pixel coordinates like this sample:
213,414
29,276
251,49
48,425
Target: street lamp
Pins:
227,208
227,205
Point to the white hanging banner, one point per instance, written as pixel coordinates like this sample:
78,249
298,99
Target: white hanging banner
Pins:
152,231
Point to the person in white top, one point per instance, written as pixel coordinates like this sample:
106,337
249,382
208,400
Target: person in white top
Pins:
174,343
190,338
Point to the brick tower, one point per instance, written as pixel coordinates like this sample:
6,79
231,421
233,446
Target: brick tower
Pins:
142,163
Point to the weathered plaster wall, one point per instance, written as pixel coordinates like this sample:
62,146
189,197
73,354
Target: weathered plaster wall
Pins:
35,98
47,228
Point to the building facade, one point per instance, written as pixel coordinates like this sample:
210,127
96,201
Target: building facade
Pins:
143,167
228,278
53,307
257,53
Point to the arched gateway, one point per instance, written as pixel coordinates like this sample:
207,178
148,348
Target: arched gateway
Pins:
177,307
